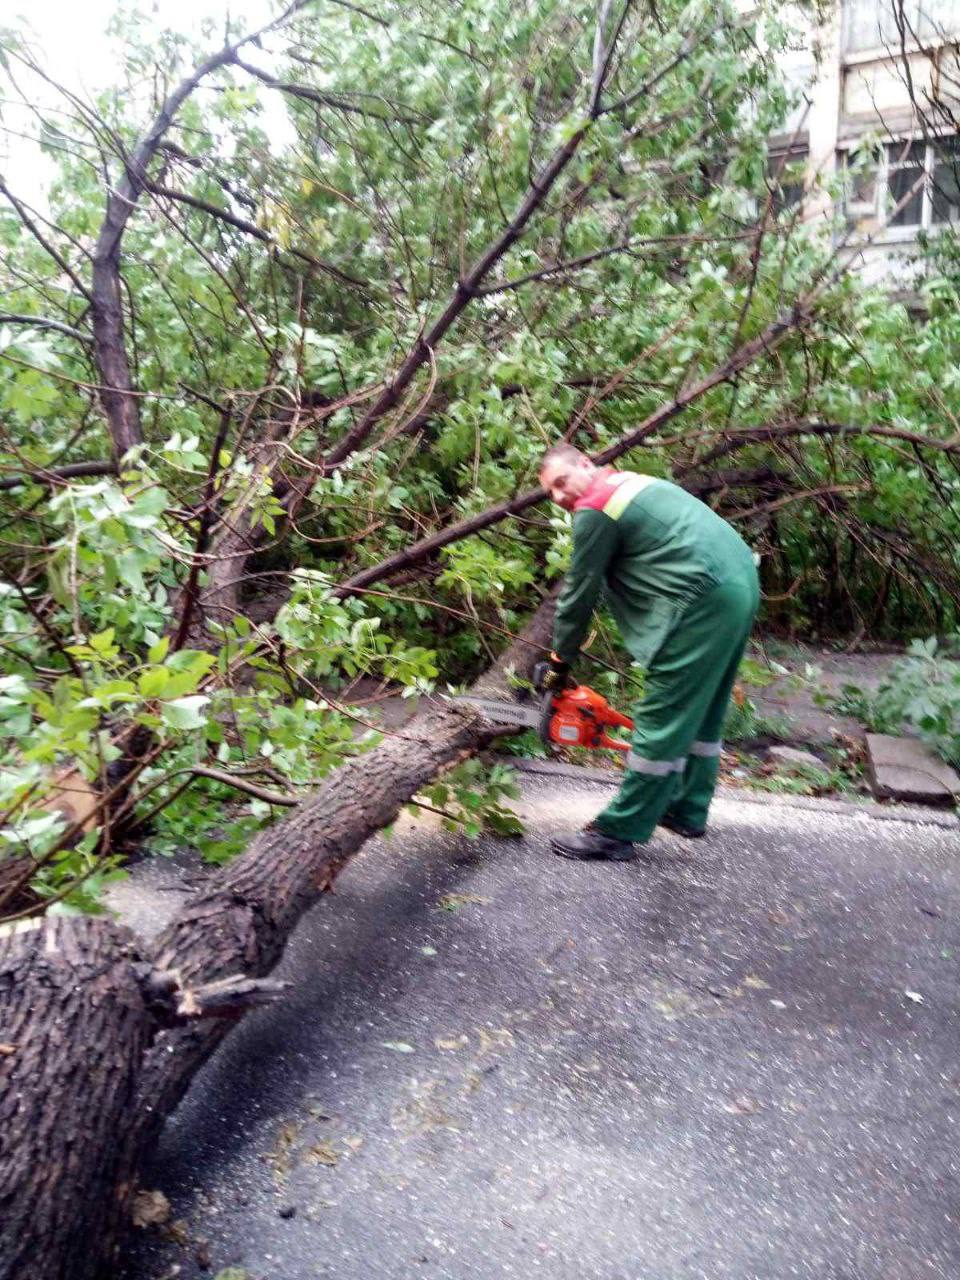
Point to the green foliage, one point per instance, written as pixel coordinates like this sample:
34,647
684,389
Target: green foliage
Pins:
922,691
803,780
471,799
529,745
746,723
755,674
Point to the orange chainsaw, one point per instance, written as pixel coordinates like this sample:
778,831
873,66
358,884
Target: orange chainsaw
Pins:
570,717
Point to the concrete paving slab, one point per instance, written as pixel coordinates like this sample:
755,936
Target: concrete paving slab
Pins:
807,671
790,755
733,1060
904,769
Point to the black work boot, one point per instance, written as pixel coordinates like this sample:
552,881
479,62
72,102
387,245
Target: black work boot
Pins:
681,828
593,846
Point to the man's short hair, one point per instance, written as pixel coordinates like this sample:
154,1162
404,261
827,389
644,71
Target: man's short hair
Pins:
561,453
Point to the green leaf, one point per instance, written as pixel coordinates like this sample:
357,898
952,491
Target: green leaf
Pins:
185,713
152,683
103,642
158,650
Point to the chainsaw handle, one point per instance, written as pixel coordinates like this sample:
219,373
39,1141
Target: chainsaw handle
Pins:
617,719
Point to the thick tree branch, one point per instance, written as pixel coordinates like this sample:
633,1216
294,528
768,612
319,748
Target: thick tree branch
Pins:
249,228
41,322
743,437
336,101
121,407
54,475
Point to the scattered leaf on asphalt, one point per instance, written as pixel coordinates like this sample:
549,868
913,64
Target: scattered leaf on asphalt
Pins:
454,901
495,1038
428,951
742,1106
231,1273
354,1142
678,1004
178,1232
425,1110
756,983
150,1209
915,996
281,1155
451,1042
472,1082
323,1153
778,917
398,1046
7,1049
778,1004
202,1255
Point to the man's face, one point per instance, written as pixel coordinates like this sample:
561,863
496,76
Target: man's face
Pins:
566,480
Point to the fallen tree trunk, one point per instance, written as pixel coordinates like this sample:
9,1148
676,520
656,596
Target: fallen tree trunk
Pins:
94,1071
74,1031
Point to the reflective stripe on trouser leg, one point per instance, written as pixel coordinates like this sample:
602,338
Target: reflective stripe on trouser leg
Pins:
648,787
656,768
706,748
692,798
635,810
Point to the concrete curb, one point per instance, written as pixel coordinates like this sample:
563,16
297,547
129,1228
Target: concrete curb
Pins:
877,812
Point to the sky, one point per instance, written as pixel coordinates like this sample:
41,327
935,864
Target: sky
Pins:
74,47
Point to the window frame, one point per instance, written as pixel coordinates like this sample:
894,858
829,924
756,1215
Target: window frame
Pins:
879,207
797,155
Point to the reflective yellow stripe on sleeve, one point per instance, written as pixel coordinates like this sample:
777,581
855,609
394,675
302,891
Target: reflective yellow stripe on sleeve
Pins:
628,486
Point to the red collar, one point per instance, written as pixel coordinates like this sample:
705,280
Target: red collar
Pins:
601,487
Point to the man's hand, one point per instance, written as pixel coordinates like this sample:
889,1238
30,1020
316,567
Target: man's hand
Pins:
557,675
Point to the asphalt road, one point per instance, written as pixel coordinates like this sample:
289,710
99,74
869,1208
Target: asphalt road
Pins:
736,1059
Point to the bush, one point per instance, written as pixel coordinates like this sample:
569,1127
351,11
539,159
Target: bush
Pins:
922,692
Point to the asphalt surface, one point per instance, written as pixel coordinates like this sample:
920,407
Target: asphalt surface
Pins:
736,1059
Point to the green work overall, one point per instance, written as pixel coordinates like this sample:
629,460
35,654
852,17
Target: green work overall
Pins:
683,588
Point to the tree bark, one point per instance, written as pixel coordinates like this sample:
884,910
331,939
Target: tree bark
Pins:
117,392
89,1070
74,1029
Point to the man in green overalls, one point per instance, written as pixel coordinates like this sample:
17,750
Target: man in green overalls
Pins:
683,588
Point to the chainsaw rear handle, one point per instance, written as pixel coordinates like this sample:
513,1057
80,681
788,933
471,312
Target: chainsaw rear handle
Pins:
616,720
579,717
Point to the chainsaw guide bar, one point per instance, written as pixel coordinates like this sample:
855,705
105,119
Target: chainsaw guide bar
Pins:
575,716
502,712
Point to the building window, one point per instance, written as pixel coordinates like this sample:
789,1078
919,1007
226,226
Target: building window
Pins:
905,170
873,24
786,172
945,183
911,186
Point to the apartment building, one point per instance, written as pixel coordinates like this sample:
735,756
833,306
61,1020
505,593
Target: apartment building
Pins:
880,119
